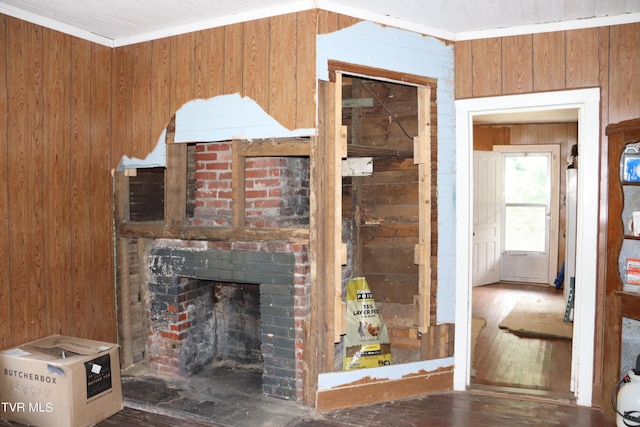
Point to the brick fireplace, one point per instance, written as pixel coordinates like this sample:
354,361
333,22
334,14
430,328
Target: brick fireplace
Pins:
241,301
186,331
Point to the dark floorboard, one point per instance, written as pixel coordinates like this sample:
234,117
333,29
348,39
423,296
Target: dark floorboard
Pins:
227,396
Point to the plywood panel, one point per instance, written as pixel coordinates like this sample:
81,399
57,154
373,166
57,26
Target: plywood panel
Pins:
583,60
282,67
549,61
143,143
160,87
306,69
463,69
233,42
56,166
80,312
24,138
516,65
182,75
624,96
209,63
5,283
101,202
327,22
256,62
487,67
121,83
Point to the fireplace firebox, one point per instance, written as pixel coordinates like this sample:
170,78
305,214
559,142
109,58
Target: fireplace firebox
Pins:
246,303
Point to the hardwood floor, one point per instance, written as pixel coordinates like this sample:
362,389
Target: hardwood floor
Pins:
506,365
503,359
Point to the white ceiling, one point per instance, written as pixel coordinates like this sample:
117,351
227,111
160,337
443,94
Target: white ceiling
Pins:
122,22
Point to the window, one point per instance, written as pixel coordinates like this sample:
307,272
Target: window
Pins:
526,202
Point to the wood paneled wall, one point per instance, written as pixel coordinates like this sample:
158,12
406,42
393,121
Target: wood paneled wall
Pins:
606,57
56,268
69,111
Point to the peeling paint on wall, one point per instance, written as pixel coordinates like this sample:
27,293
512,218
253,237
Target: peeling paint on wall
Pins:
156,159
388,48
220,118
330,380
226,117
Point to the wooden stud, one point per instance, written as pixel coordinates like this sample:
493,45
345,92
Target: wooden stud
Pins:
175,200
238,185
121,211
299,147
159,230
422,255
337,153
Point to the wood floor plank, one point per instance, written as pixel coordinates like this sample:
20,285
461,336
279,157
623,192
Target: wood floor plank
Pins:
504,359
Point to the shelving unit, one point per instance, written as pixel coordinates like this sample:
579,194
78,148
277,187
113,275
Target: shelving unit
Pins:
619,302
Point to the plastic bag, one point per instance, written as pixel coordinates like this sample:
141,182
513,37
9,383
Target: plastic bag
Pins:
367,340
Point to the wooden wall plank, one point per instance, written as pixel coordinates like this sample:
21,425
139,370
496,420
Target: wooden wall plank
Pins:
256,62
160,87
345,21
209,64
282,68
101,202
182,75
463,69
549,61
233,47
121,83
5,283
81,190
486,72
583,60
56,167
24,137
306,69
327,22
624,95
517,72
143,143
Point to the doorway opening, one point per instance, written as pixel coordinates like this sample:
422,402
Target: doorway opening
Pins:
518,216
586,103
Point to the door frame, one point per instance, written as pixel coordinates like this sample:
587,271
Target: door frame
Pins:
587,102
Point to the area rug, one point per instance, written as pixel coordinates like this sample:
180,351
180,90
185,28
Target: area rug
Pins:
477,323
538,318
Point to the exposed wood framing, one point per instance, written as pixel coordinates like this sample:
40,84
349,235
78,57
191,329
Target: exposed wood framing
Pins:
121,200
285,147
338,151
335,67
175,201
422,256
324,220
238,185
437,342
158,230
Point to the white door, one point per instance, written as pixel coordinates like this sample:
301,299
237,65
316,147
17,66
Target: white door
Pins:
530,213
487,205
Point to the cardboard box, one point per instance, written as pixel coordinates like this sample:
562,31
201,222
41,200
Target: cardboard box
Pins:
60,381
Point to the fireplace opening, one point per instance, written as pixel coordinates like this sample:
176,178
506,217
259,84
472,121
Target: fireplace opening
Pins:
206,321
224,306
236,323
